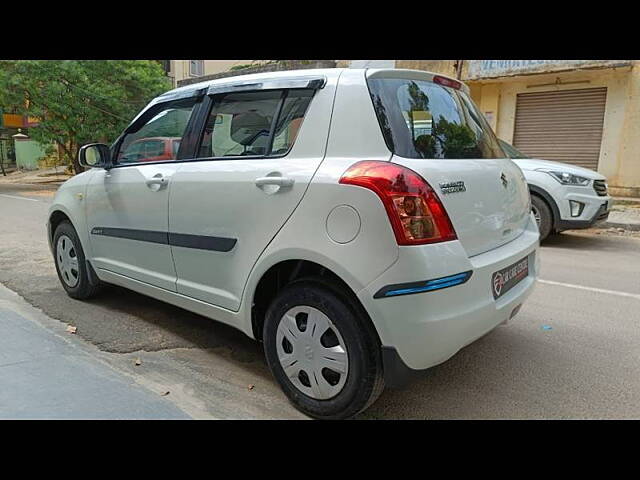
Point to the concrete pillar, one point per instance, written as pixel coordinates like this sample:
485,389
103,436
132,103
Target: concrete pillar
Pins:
626,181
490,103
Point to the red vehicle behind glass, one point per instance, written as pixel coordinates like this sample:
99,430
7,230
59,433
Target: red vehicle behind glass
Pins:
151,149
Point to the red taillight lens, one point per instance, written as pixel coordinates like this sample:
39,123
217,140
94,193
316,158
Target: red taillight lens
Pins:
417,216
447,82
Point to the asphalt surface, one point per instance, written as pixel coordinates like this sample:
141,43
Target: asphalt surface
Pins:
573,351
45,376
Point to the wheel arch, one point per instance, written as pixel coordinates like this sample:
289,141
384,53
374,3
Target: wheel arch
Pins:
285,272
62,211
548,199
56,217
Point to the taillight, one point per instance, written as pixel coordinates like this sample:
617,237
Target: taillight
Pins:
417,216
447,82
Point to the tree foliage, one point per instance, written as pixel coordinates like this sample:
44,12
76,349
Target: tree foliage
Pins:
79,101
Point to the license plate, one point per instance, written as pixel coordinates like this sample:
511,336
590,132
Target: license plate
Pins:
504,280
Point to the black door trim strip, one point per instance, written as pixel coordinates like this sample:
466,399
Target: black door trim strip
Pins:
200,242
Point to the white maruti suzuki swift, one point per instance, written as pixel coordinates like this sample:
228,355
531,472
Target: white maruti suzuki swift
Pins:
362,224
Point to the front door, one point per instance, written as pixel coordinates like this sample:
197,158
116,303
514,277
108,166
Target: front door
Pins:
127,205
258,154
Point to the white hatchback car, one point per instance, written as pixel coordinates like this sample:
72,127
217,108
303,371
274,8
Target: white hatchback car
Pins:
563,196
362,224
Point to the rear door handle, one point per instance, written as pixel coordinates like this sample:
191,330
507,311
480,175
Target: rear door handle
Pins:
279,181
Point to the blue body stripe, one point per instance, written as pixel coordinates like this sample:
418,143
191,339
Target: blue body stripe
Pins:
431,285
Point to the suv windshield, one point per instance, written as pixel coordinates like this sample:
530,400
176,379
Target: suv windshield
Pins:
511,151
421,119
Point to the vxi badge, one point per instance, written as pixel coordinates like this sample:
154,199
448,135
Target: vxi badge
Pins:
452,187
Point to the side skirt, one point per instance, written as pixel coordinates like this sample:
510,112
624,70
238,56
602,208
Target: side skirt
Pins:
208,310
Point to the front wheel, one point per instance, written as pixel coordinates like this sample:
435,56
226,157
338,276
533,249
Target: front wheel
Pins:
543,216
322,352
70,263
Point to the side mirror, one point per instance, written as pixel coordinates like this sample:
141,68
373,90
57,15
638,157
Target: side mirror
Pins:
95,155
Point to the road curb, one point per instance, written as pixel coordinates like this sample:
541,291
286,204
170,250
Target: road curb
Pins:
634,227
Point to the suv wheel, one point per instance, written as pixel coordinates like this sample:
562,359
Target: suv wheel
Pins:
70,263
324,355
543,216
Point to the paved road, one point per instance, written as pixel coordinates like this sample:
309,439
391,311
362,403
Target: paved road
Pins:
47,376
587,365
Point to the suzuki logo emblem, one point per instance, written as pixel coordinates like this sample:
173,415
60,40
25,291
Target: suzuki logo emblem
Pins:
505,182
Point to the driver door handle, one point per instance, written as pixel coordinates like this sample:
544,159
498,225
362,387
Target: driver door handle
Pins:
279,181
157,179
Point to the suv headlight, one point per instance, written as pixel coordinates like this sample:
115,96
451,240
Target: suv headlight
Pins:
567,178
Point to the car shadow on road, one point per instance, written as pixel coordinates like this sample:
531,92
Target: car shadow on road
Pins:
579,240
428,396
174,327
495,377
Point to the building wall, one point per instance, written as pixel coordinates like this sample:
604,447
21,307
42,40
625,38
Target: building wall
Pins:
445,67
262,68
180,68
621,131
28,152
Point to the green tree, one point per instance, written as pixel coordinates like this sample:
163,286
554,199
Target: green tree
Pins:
79,101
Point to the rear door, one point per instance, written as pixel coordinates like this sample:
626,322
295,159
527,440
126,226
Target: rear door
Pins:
127,206
259,150
432,127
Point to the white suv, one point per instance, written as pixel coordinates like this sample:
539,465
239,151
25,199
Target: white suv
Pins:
362,224
563,196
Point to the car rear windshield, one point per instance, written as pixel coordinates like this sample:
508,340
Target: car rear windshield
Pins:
421,119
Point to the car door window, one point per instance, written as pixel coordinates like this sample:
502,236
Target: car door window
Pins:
254,123
290,119
146,140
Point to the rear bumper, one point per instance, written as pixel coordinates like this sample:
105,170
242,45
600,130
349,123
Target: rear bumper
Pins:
424,329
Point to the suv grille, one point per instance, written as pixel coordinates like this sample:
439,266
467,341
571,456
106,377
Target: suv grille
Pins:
600,187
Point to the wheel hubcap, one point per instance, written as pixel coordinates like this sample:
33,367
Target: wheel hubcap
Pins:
536,214
67,261
312,352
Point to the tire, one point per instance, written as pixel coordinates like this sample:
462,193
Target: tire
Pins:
67,247
542,211
335,395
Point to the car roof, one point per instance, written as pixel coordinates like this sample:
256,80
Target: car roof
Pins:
189,90
281,75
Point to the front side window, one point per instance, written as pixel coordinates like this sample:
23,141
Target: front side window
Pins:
263,123
421,119
157,138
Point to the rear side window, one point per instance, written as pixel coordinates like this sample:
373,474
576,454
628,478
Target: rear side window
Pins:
421,119
263,123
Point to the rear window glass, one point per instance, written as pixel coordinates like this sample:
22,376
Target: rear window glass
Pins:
421,119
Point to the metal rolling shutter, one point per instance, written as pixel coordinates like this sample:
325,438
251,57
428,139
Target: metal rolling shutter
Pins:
565,126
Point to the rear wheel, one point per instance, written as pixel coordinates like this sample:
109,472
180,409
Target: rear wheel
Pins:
543,216
321,351
70,263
